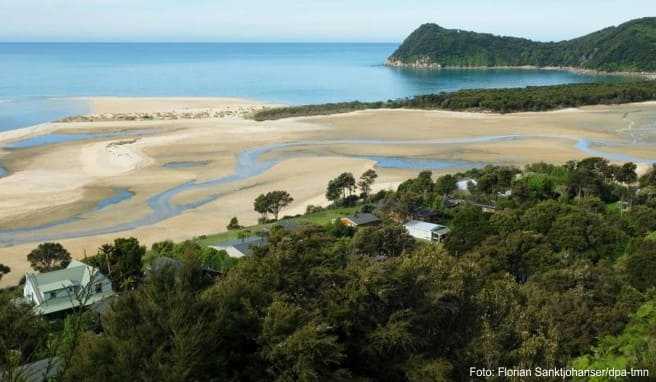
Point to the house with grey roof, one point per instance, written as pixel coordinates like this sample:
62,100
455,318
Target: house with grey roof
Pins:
76,285
360,220
241,247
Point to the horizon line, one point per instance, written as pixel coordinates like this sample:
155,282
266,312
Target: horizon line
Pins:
201,42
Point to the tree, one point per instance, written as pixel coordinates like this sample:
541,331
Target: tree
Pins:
347,182
633,348
446,184
162,331
626,173
122,262
4,270
640,265
272,203
340,187
469,227
586,234
49,257
367,179
277,200
261,205
389,240
649,178
234,224
22,335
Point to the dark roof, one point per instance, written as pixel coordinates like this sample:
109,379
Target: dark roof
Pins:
39,371
245,245
363,218
162,262
247,248
288,224
246,240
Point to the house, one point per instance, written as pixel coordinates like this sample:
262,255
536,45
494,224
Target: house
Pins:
452,203
43,370
64,289
426,231
360,220
466,184
241,247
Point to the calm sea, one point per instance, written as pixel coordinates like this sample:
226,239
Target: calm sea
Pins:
37,79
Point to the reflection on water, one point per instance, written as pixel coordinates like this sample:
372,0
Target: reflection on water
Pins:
119,195
55,138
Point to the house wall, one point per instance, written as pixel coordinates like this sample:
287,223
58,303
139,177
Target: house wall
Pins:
420,234
29,292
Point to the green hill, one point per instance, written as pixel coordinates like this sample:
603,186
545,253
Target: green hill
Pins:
629,47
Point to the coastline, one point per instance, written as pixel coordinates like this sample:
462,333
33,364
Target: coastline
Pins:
426,65
56,182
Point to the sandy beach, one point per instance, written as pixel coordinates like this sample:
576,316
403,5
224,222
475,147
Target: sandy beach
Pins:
147,158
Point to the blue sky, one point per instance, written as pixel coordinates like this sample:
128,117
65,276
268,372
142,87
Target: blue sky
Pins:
303,20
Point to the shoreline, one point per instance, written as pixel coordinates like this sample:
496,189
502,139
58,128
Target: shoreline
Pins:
432,66
57,181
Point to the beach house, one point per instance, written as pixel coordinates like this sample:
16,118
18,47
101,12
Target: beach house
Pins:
76,285
426,231
241,247
360,220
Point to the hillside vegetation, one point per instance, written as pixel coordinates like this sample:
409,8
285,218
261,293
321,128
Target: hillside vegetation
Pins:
629,47
506,100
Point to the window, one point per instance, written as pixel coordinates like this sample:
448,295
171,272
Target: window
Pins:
52,295
99,288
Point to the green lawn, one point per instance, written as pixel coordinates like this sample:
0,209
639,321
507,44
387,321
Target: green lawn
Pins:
322,217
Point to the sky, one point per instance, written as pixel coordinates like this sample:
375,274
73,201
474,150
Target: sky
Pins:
303,20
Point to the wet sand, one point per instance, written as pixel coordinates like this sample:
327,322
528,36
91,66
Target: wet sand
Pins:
68,179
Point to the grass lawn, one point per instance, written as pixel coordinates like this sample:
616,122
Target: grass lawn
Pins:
320,218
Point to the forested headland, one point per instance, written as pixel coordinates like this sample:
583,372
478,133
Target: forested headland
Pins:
629,47
503,100
558,274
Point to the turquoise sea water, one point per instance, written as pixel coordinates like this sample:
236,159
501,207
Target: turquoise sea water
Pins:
37,81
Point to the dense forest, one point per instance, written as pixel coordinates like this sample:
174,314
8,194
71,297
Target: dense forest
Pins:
559,274
629,47
504,100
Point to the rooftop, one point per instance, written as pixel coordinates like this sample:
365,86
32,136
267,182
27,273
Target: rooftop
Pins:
363,218
424,226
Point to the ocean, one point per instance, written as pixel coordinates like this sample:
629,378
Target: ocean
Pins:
39,81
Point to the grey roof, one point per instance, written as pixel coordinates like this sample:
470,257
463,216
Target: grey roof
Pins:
162,262
288,224
244,246
39,371
363,218
233,243
76,274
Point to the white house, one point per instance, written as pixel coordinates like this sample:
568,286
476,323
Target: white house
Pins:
56,291
426,231
466,184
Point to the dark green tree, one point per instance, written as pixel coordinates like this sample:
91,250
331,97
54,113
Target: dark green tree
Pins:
640,264
469,227
367,179
278,200
122,262
233,224
389,240
49,257
4,270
